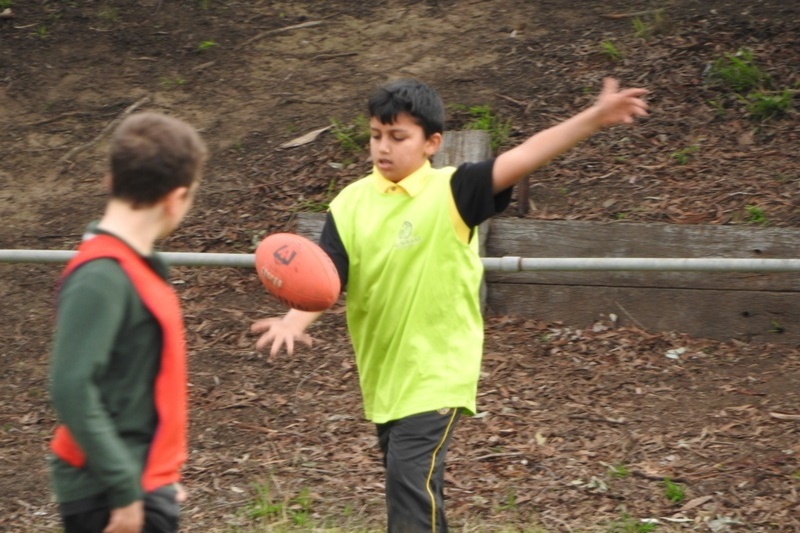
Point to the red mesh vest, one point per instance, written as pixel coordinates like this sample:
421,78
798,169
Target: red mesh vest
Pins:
168,450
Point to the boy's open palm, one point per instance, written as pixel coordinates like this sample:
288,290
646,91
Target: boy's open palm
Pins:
615,106
279,332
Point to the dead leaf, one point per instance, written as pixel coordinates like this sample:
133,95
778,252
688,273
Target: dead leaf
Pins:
311,136
696,502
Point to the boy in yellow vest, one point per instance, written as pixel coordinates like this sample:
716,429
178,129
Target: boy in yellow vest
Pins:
118,374
405,245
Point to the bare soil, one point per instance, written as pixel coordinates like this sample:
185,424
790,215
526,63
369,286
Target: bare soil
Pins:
583,427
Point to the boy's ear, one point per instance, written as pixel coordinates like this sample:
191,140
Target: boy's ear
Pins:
433,143
175,199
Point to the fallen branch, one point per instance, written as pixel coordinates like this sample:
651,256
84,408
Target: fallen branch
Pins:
597,419
251,427
279,30
617,16
513,100
325,57
109,127
495,455
784,416
653,477
53,119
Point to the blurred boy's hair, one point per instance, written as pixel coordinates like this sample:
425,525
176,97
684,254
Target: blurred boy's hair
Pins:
152,155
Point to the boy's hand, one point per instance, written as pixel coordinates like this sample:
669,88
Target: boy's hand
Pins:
619,107
280,331
180,493
128,519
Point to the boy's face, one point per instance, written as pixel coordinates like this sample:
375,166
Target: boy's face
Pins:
399,149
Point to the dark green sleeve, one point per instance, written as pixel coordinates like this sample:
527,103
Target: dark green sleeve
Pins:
91,309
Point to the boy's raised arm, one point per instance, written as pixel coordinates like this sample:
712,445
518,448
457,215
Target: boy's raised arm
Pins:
613,106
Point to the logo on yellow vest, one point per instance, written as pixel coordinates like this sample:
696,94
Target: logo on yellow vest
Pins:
406,237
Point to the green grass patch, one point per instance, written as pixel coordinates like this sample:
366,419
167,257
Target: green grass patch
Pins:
648,27
619,471
683,155
739,72
267,508
353,137
674,492
765,105
756,215
629,524
206,45
173,82
481,117
611,51
109,14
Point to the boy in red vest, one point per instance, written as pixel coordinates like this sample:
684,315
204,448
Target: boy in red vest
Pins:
118,373
404,240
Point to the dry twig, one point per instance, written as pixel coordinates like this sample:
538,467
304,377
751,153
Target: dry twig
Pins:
263,34
67,158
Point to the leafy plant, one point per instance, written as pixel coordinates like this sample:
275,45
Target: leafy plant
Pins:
763,105
718,107
109,14
171,83
40,31
353,137
265,507
648,28
319,206
611,51
776,327
683,155
756,215
641,29
629,524
6,4
675,492
206,45
619,471
482,118
509,501
739,72
299,508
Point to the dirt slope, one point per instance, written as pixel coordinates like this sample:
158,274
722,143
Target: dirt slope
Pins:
580,428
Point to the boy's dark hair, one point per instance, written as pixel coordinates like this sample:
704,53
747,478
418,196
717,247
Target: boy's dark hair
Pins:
153,154
412,97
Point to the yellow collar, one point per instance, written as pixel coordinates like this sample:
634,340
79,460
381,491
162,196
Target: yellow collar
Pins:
411,185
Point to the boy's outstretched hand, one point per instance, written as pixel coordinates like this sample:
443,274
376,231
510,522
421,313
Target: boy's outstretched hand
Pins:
283,331
615,106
